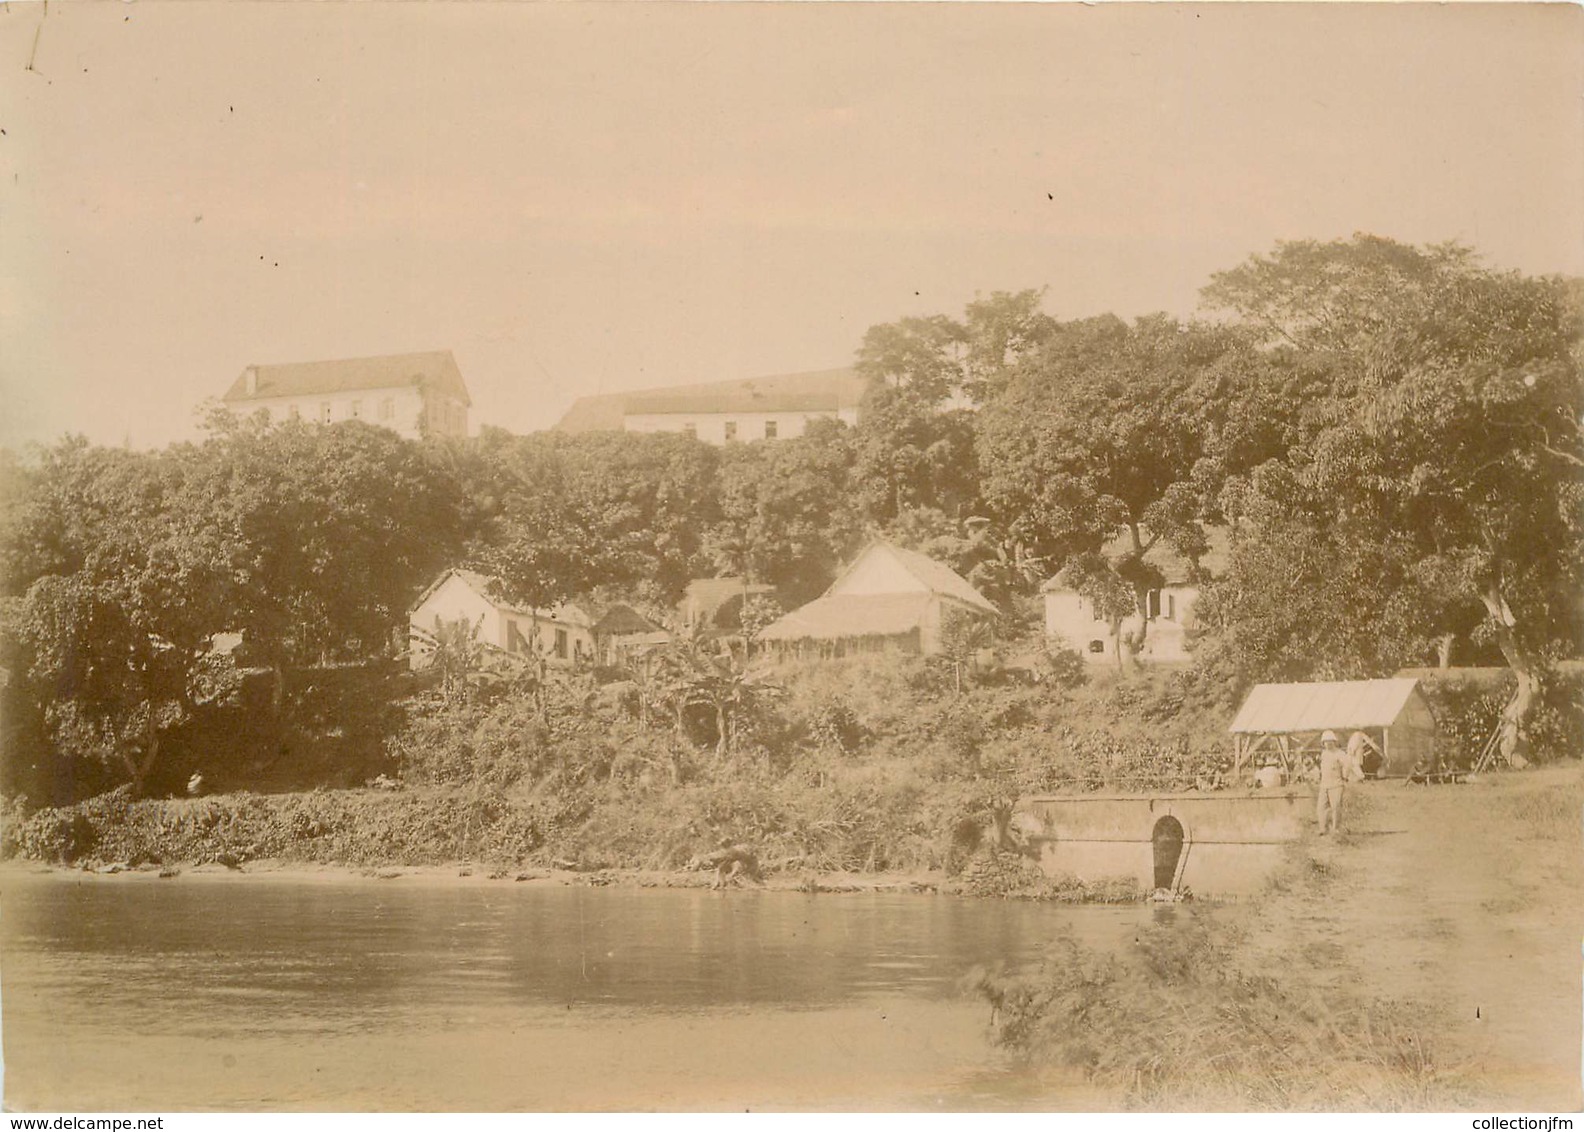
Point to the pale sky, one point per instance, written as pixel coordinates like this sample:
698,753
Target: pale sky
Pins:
581,198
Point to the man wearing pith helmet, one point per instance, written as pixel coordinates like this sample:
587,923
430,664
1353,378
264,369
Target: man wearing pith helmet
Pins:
1336,768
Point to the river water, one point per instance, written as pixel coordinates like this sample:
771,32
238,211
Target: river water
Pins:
290,993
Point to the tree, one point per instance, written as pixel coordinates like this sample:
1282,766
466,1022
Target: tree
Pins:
689,675
1107,588
1123,431
915,437
1329,297
566,514
327,533
788,515
121,604
1449,431
962,635
1003,332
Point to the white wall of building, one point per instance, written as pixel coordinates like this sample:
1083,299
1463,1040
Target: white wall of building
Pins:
1070,619
558,635
400,409
720,428
457,600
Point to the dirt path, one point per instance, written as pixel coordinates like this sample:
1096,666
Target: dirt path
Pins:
1469,899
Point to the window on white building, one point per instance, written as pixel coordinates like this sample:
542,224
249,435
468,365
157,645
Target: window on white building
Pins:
731,430
357,410
770,430
387,408
561,643
1097,645
1153,604
1171,607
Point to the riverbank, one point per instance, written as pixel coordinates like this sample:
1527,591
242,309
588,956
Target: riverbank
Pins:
466,874
466,833
1425,959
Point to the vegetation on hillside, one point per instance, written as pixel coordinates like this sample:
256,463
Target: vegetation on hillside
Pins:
1390,434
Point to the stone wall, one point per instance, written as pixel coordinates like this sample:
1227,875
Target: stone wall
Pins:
1230,839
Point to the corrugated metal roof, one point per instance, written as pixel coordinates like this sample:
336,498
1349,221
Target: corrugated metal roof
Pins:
435,370
851,615
1286,708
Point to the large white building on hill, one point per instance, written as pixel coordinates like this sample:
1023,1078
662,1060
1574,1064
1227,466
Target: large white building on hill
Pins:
412,394
758,408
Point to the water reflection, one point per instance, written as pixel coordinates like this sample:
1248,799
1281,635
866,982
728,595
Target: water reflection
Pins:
265,959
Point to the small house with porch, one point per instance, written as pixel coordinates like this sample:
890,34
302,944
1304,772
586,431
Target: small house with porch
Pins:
562,636
1285,722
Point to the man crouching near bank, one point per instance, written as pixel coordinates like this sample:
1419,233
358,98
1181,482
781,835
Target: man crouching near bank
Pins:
729,863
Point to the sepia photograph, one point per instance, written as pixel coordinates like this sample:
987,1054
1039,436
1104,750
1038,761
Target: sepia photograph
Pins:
710,557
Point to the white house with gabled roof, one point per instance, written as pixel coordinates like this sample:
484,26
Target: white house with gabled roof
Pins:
561,636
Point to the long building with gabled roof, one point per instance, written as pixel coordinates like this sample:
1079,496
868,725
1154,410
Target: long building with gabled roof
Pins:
412,394
756,408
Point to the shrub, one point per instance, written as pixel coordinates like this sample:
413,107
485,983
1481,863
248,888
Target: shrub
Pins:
1174,1023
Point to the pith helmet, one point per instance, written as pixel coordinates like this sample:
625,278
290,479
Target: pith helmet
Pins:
1328,737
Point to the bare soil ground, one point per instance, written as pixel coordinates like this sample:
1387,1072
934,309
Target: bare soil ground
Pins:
1467,899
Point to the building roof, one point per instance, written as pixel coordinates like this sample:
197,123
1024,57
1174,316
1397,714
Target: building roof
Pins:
624,620
851,615
816,391
481,584
435,370
1288,708
937,576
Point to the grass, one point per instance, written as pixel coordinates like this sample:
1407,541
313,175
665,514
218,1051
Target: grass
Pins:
1176,1022
1556,814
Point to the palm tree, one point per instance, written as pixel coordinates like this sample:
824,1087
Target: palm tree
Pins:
688,675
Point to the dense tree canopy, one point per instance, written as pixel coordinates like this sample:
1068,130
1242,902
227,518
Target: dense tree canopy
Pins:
1390,434
1443,449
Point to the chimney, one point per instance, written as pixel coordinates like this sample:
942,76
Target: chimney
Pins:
251,375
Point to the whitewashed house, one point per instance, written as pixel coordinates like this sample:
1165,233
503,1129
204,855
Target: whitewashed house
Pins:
1168,620
414,395
562,636
887,598
723,412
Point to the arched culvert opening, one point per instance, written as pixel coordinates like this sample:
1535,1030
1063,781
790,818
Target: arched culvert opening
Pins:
1167,839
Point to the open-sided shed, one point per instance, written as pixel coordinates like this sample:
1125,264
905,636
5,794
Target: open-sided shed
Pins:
1288,720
